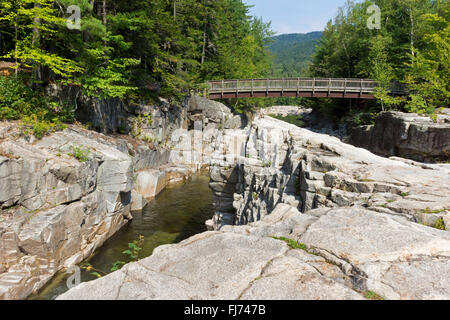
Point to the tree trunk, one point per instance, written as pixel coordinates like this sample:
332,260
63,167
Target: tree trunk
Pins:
175,9
104,21
104,12
204,45
16,71
412,32
35,43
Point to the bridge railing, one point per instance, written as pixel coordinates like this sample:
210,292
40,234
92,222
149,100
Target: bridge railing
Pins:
363,86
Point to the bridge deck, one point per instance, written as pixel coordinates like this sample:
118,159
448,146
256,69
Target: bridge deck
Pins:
296,87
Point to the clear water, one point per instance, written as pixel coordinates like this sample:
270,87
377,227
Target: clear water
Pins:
177,213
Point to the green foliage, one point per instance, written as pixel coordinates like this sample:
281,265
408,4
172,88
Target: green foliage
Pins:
429,78
440,224
132,253
111,80
38,113
371,295
429,211
267,164
138,126
382,71
292,119
135,50
362,118
117,265
411,47
39,128
293,53
134,248
418,104
292,243
80,154
28,22
17,99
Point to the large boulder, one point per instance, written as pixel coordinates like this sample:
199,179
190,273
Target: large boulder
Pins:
212,110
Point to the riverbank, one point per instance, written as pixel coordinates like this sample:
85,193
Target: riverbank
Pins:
177,213
63,196
302,215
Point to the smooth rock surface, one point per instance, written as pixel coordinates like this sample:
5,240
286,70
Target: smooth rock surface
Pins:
346,253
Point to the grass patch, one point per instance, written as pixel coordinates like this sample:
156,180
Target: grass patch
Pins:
292,243
371,295
429,211
267,164
440,225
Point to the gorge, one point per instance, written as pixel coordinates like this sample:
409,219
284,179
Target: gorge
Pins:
299,215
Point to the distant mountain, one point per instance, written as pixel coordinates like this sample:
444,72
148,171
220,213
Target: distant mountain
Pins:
292,53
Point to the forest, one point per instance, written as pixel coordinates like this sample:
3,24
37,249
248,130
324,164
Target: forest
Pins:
412,47
292,53
123,46
124,49
141,50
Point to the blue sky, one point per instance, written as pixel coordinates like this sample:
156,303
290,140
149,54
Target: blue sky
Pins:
296,16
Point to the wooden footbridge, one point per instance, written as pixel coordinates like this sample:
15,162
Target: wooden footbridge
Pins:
297,87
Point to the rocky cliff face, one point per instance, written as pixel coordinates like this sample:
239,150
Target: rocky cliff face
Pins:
302,215
57,210
406,135
286,164
61,197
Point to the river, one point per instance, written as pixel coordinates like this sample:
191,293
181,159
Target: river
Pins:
177,213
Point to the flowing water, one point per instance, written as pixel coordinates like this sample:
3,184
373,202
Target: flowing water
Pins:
177,213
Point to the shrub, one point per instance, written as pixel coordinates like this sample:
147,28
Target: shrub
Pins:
39,115
363,118
370,295
417,104
440,224
80,154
